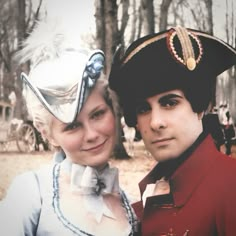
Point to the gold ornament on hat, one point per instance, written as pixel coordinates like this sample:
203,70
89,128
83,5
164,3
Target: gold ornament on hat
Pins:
143,45
189,59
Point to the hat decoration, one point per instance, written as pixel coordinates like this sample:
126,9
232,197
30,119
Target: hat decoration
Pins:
65,98
62,73
189,59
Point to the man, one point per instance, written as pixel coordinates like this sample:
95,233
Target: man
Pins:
191,191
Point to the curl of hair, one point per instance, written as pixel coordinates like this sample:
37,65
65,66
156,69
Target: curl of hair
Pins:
109,95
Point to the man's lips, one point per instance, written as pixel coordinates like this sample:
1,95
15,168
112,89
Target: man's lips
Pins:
161,140
94,147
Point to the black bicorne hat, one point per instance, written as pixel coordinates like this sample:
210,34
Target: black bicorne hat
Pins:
177,58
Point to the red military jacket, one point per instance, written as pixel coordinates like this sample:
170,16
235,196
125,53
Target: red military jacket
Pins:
202,199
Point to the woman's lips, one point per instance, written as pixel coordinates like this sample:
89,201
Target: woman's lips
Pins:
95,148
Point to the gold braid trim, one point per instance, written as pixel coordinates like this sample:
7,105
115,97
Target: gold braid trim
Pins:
143,45
189,58
187,48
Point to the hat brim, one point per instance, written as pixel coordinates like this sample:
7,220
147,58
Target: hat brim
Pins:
66,108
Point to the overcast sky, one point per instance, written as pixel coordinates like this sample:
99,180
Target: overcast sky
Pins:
83,12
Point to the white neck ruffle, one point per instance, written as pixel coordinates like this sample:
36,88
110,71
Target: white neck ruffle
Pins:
93,185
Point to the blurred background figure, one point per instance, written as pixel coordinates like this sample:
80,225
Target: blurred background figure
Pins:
227,125
212,124
223,108
129,135
233,148
229,132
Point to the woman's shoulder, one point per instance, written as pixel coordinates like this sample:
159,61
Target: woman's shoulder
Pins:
27,184
21,205
26,180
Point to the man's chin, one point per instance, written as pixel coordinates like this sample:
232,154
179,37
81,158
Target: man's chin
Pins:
161,156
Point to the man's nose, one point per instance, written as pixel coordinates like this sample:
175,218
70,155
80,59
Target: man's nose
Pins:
157,120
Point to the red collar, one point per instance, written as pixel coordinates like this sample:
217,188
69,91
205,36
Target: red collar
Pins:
192,170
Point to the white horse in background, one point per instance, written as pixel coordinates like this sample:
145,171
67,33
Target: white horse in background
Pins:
129,134
223,109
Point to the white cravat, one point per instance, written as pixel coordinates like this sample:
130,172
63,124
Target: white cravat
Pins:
88,180
93,185
161,187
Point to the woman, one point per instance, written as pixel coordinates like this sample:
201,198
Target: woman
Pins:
73,108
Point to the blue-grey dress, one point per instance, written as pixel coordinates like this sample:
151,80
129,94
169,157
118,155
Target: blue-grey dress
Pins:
31,207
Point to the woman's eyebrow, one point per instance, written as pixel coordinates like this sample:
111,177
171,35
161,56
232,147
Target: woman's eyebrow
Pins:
68,125
97,108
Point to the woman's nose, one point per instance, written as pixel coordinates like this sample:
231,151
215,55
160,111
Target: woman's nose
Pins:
91,133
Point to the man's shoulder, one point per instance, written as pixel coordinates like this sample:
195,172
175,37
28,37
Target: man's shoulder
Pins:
226,164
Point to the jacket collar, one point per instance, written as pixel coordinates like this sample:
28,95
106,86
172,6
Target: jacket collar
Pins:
186,177
193,171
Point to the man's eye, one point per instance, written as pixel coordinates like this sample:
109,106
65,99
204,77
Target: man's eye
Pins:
169,103
142,108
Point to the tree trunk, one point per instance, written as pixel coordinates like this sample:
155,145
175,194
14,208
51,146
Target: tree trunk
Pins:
108,37
147,13
20,110
164,14
209,19
100,24
119,150
133,23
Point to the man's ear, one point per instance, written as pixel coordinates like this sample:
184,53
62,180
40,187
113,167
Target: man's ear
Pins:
200,115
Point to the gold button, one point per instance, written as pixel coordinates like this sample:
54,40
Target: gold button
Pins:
191,63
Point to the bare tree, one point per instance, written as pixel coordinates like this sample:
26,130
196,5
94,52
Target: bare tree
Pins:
109,35
133,22
26,19
195,14
17,18
109,27
100,24
8,38
165,4
147,15
209,16
227,21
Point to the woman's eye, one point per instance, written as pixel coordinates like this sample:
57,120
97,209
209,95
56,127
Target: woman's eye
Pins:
142,108
98,114
72,126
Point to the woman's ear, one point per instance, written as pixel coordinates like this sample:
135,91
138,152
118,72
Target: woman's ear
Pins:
53,142
48,137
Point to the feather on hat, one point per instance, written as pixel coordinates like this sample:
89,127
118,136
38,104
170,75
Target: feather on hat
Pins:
61,73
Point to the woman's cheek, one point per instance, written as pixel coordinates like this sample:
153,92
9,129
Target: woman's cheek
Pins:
109,125
72,142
